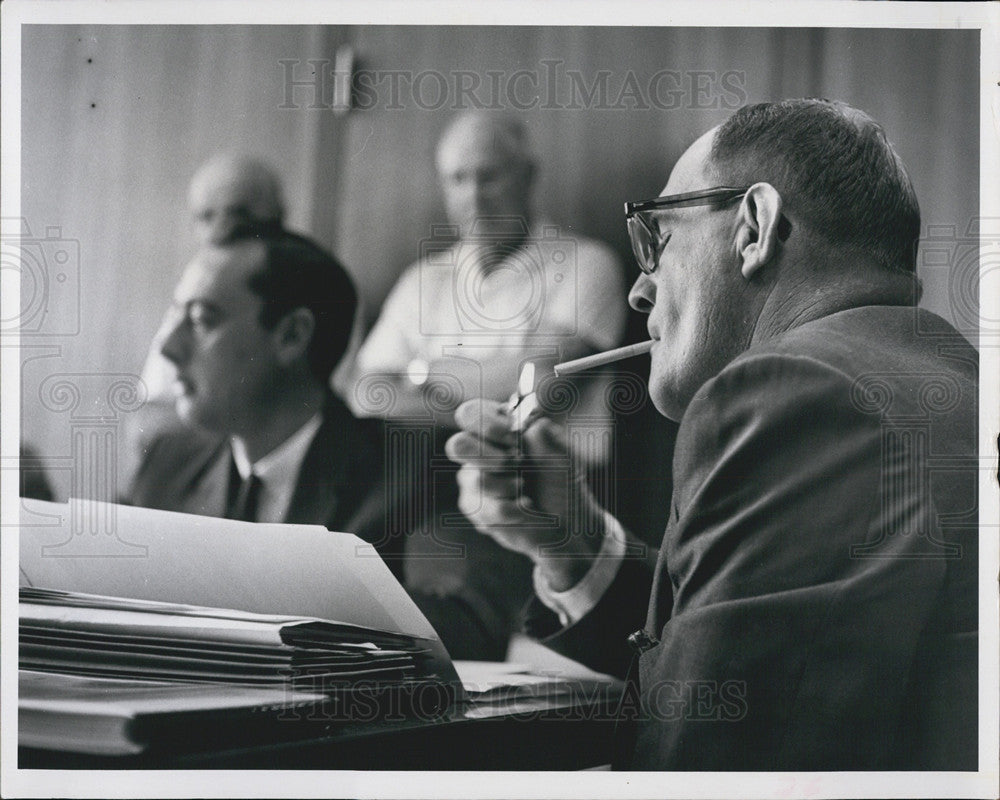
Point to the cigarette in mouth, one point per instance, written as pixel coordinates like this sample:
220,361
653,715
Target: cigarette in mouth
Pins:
600,359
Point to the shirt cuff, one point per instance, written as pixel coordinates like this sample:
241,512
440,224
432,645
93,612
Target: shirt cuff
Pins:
573,604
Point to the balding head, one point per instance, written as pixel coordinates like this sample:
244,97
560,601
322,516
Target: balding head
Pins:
481,130
815,216
230,192
835,170
486,171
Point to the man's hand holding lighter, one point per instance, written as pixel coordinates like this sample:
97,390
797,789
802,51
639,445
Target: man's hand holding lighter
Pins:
524,490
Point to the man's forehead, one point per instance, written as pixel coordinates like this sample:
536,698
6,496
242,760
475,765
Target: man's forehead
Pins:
692,171
220,273
211,191
473,144
234,190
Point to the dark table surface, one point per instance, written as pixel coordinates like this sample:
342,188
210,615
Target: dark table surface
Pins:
561,730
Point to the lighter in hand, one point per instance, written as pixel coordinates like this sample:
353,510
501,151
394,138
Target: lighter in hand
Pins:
523,407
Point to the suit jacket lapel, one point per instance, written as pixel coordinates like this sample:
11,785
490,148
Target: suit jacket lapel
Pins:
661,597
208,482
316,498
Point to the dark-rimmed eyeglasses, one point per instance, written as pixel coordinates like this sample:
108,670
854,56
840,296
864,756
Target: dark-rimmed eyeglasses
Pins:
647,241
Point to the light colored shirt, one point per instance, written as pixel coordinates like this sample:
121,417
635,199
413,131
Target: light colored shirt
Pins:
278,471
574,603
553,291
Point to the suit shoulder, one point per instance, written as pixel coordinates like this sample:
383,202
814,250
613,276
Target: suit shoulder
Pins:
851,371
180,447
763,401
783,372
879,339
173,456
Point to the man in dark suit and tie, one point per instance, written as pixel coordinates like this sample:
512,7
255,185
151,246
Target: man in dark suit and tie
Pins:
814,603
258,324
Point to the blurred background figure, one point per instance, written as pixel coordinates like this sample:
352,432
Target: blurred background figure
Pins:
498,282
228,193
496,287
231,191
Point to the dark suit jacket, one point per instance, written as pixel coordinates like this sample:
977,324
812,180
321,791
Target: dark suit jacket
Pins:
340,484
815,597
466,585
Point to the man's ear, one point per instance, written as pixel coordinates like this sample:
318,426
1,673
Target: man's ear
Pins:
293,333
757,233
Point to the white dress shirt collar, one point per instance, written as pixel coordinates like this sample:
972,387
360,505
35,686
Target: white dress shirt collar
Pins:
278,471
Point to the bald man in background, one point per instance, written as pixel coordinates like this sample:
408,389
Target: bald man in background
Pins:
226,193
229,191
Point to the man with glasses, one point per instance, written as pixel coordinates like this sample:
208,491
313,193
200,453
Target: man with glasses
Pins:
814,603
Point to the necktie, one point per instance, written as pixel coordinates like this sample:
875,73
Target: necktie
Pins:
245,505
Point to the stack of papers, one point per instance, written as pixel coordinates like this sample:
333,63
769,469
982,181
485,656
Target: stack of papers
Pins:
110,717
93,635
496,682
148,654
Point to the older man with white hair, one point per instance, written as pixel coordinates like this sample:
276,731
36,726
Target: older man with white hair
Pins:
500,286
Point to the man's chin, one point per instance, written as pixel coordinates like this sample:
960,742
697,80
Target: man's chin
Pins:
214,422
188,411
672,411
665,397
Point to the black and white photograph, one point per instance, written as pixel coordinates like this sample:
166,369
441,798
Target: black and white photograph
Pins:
525,400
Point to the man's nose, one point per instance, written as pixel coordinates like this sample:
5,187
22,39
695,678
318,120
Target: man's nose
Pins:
481,192
642,295
173,346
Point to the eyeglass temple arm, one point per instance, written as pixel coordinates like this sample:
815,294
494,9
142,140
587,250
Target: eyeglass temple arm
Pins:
721,193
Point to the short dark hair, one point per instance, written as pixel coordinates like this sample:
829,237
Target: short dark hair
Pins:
834,167
298,273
